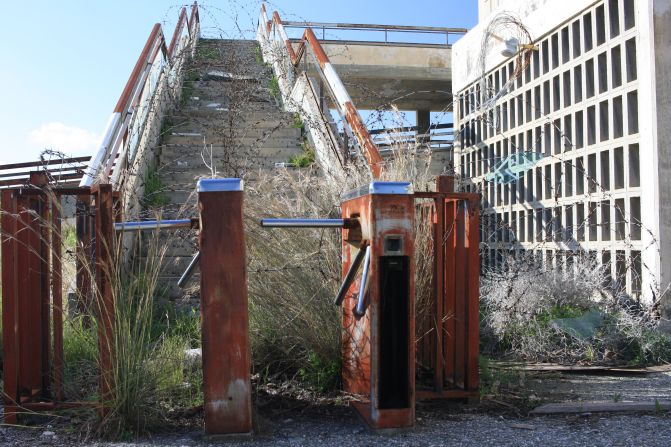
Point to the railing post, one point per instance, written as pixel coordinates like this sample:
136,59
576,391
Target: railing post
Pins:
225,320
10,304
104,295
83,256
57,296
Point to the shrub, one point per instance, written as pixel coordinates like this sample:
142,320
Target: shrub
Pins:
533,313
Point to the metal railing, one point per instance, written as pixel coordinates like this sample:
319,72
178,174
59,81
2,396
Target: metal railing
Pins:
60,171
385,29
273,31
156,67
438,137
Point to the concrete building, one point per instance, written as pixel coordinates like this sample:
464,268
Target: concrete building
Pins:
595,101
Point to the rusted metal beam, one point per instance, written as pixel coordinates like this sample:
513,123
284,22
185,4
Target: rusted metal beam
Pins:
472,239
10,304
225,321
55,161
104,296
181,22
57,297
83,227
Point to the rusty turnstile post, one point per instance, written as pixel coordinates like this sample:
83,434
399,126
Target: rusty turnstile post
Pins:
378,313
225,320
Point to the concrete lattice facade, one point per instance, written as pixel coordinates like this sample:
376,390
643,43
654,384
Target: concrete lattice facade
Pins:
590,101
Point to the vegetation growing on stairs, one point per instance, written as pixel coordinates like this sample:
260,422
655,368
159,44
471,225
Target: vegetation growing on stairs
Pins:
206,52
154,191
305,159
188,86
274,89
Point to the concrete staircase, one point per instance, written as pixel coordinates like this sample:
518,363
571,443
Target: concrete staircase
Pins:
228,123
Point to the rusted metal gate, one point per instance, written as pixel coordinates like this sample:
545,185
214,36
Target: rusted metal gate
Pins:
449,337
30,234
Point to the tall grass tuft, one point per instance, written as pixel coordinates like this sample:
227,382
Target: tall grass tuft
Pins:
151,375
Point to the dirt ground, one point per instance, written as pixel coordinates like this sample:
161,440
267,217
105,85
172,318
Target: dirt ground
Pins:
501,418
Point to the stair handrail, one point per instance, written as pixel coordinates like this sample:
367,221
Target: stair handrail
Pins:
352,120
108,165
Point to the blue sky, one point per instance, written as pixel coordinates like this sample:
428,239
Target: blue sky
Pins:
65,63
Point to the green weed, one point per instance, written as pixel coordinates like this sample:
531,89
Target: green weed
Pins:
153,191
206,52
304,160
321,374
274,88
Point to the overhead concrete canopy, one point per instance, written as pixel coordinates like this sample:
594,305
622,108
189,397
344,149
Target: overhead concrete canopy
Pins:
409,76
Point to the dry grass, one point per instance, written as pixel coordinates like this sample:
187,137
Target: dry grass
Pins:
526,310
294,274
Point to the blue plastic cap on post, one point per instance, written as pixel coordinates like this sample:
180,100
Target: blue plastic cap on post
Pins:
219,184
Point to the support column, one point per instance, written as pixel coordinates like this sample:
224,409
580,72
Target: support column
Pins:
423,125
224,310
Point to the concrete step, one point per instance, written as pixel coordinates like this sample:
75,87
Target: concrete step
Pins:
258,119
246,113
168,284
247,137
172,265
247,130
202,127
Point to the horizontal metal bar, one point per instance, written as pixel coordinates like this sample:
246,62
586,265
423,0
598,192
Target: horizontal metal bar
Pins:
54,161
378,43
153,224
303,223
410,128
364,26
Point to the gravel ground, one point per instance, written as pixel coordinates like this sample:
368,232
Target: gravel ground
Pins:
431,430
287,422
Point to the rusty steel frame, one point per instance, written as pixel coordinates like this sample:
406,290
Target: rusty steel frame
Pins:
380,216
450,348
32,291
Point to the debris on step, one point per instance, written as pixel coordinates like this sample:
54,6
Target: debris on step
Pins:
227,76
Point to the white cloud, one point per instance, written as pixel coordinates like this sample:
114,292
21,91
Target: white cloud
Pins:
67,139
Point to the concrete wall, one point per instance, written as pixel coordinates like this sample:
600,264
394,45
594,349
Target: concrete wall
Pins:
539,16
546,19
661,25
414,77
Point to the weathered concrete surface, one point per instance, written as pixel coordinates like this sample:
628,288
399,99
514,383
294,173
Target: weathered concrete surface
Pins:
662,43
413,77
